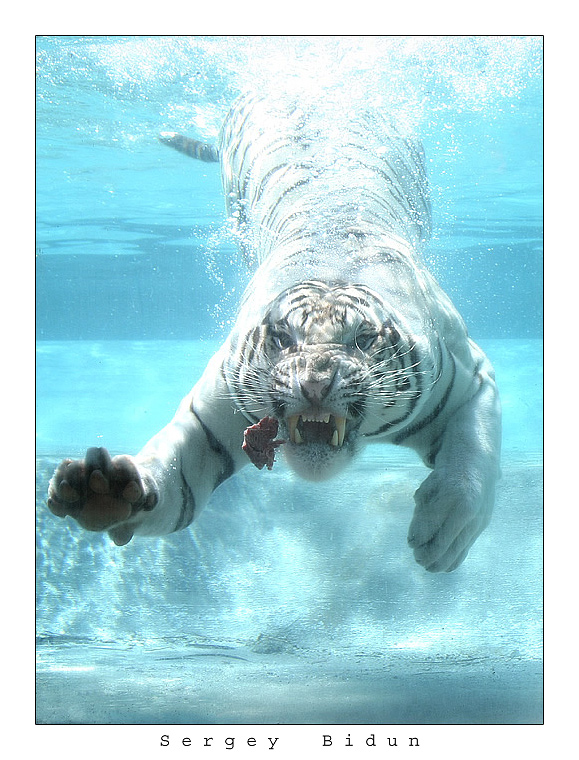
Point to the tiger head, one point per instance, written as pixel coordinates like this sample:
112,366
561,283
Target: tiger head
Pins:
329,362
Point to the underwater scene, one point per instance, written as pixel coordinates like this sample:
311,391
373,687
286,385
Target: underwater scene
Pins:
285,601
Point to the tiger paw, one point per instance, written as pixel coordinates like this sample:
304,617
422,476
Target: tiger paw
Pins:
101,493
452,510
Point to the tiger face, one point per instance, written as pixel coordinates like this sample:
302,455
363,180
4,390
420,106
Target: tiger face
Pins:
330,364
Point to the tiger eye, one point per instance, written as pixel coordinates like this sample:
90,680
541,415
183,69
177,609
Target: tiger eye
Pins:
283,339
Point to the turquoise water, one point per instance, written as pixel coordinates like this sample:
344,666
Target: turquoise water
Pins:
285,602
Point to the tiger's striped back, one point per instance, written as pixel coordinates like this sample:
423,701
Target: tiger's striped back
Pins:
298,184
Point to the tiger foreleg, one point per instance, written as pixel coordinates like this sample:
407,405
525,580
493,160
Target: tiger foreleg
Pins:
164,487
454,504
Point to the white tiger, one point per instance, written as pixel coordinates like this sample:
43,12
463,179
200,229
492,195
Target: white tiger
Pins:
342,336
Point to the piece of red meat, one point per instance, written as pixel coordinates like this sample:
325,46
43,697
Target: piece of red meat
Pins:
259,443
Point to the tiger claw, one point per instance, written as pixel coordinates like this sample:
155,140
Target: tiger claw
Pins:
67,492
98,483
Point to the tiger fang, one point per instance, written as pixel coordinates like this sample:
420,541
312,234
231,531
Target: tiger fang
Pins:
317,427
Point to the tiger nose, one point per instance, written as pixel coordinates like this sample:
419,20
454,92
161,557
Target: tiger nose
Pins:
314,390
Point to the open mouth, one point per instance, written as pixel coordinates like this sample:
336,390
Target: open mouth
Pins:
317,427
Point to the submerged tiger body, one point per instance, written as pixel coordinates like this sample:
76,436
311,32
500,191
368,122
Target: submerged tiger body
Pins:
342,336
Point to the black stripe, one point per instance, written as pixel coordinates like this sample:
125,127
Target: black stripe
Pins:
187,512
247,173
238,400
414,361
413,429
436,444
430,458
249,348
218,448
388,425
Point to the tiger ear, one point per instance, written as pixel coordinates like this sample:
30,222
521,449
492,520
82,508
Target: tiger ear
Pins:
121,535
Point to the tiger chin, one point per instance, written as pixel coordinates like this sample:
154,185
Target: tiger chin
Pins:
315,449
343,339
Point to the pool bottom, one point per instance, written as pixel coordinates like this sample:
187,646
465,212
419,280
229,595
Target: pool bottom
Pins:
165,684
